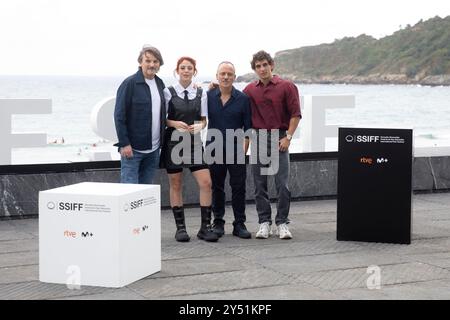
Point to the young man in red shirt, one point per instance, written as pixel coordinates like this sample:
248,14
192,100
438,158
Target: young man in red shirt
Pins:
275,105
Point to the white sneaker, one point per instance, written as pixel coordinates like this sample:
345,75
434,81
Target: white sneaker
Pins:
264,231
283,231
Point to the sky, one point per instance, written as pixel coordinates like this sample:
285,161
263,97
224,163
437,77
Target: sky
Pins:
104,37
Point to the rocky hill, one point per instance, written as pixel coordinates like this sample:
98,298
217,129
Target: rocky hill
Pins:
418,54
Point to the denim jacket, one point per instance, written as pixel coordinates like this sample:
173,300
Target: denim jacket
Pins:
133,112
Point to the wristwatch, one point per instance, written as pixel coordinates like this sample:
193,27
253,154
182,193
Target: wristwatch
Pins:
289,137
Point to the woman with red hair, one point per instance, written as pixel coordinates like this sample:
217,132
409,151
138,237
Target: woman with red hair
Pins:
187,110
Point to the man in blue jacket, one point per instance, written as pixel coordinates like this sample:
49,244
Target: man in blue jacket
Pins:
140,116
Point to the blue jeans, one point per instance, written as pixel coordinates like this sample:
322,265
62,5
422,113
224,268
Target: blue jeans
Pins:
141,168
282,190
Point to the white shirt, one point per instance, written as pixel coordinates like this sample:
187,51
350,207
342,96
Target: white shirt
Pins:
192,92
156,112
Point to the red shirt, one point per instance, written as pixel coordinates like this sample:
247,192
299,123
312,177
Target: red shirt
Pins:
273,105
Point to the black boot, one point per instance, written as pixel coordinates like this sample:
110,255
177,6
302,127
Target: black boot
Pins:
205,232
181,234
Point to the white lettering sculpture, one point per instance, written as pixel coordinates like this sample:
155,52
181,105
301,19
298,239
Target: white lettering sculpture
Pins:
314,131
8,140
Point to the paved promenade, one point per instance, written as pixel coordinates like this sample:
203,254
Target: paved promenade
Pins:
311,266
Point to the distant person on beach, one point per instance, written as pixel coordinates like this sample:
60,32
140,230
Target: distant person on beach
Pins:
275,104
187,112
229,109
139,116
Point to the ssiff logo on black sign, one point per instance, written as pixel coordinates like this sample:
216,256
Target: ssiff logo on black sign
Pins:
362,139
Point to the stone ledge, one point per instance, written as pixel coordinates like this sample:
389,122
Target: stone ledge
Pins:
310,178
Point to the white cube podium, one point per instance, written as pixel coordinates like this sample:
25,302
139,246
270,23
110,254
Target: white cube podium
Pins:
99,234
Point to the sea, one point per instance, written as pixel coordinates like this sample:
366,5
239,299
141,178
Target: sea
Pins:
70,137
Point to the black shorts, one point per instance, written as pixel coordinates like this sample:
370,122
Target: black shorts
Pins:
192,169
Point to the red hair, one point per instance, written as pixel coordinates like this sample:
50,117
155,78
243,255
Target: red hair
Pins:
191,60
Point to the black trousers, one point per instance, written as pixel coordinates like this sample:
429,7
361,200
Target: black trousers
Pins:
237,183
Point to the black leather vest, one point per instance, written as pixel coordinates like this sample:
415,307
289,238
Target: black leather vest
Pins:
180,110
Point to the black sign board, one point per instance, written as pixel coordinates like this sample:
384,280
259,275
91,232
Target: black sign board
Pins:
374,185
